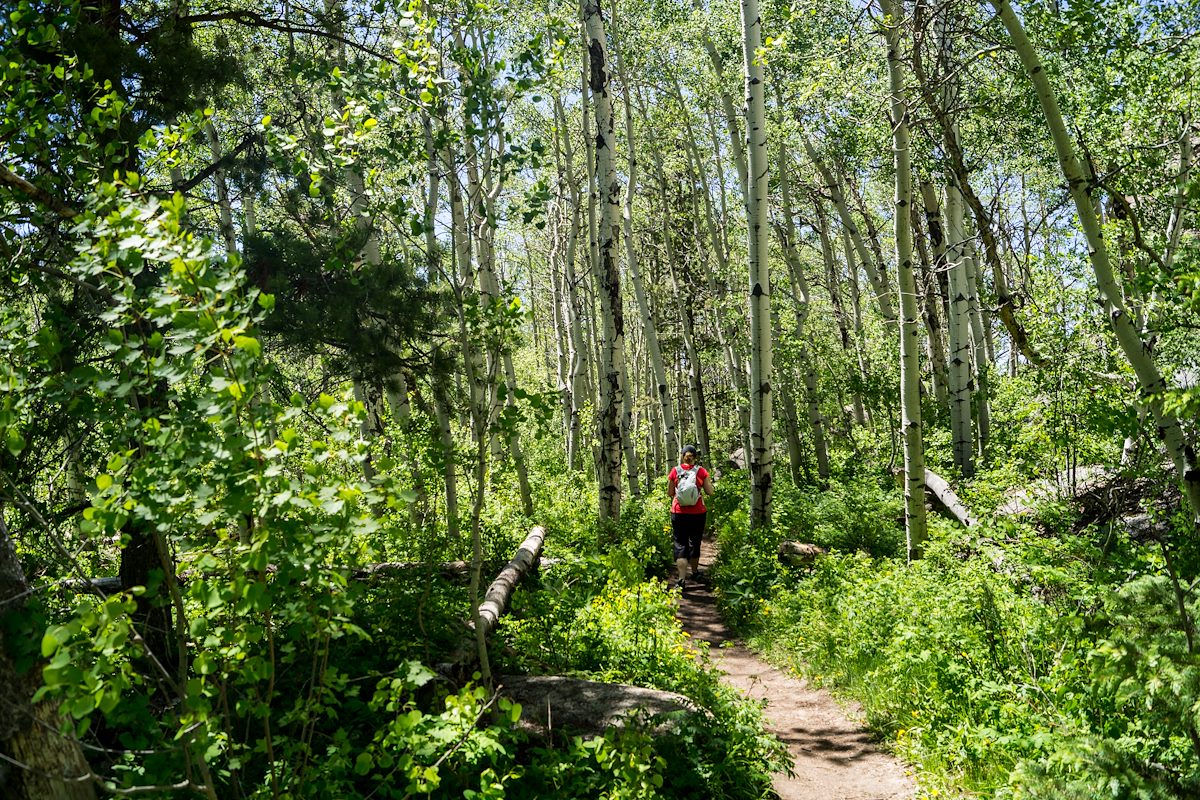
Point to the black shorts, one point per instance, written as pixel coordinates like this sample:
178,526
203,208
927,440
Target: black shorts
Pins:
687,530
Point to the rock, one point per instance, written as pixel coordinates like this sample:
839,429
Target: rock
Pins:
587,708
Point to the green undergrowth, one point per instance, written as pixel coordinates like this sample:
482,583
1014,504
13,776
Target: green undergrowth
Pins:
1011,662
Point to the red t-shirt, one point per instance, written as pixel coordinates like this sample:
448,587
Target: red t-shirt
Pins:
701,477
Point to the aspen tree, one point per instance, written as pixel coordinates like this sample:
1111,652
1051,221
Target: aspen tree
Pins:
1178,218
849,345
580,386
875,268
801,309
481,160
961,431
1080,184
649,323
931,306
856,301
910,329
720,249
760,456
608,279
980,346
224,205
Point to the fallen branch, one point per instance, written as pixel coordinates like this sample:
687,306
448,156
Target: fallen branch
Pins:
937,486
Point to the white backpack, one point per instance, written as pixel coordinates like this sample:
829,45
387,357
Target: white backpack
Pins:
687,491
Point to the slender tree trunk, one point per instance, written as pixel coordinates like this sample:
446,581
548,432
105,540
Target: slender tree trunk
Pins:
962,435
875,267
979,351
796,464
1179,214
787,234
849,345
860,336
910,329
1080,182
608,280
224,206
581,389
931,309
758,241
736,146
649,323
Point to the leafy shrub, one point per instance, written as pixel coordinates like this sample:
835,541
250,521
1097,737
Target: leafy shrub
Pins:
1007,667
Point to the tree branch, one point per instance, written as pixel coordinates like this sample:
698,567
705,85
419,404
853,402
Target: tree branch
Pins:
253,20
224,161
10,178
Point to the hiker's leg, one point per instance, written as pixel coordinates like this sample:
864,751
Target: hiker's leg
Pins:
694,537
679,529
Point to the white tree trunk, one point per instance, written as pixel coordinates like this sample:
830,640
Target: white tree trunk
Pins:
876,269
608,279
960,336
982,363
649,323
910,328
580,389
787,234
760,458
849,344
224,206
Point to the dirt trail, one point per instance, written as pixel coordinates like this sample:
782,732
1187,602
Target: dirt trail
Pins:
835,758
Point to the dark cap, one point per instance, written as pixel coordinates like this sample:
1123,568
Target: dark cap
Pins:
691,448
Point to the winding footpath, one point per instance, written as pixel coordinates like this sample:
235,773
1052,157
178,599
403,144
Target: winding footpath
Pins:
835,757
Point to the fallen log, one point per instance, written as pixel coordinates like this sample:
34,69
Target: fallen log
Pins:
501,589
937,486
450,570
799,552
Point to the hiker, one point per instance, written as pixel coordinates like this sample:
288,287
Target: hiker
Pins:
688,513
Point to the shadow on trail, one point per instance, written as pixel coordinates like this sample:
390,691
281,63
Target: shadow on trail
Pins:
834,756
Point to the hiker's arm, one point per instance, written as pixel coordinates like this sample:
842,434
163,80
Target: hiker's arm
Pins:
671,487
708,485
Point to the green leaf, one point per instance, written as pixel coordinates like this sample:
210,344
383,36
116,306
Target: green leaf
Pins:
15,441
49,643
103,481
249,344
363,764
